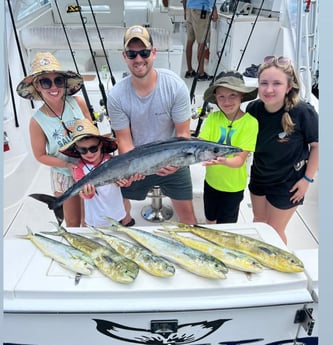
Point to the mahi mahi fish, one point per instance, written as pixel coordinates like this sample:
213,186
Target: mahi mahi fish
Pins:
146,160
267,254
67,256
108,261
232,258
189,258
146,259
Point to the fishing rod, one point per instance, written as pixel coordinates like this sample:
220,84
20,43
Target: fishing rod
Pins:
248,39
204,107
113,80
77,8
84,90
13,98
195,80
18,45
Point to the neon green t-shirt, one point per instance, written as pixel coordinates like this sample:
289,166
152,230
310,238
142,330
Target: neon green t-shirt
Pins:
243,134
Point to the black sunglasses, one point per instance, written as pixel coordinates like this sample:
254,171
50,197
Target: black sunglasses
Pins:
132,54
84,150
46,83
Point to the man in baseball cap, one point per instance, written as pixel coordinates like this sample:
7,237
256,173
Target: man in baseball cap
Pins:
140,33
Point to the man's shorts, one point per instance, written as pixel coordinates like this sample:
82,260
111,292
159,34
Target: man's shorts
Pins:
195,26
277,194
60,182
177,186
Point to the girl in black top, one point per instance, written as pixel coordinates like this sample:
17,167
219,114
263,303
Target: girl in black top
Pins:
286,155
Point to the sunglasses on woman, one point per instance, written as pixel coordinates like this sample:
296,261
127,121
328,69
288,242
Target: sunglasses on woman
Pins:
132,54
281,60
84,150
46,83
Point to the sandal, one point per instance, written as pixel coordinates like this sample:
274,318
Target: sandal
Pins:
130,223
190,74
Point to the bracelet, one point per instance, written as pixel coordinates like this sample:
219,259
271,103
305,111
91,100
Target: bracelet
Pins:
310,180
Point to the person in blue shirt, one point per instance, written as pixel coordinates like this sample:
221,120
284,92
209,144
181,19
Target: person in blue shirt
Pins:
197,16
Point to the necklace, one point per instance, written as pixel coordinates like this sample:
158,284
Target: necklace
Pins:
94,166
59,117
228,139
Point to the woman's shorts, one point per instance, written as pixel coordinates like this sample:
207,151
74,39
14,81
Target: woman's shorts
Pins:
60,182
177,186
277,194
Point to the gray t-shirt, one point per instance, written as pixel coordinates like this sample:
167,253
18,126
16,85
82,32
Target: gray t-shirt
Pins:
151,117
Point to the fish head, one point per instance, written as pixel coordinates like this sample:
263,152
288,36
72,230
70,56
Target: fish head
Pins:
207,150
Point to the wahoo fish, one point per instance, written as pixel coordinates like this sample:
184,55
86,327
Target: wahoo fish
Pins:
147,260
108,261
190,259
232,258
67,256
146,160
268,255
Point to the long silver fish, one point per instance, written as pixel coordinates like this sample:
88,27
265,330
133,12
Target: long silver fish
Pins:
267,254
108,261
146,160
67,256
189,258
146,259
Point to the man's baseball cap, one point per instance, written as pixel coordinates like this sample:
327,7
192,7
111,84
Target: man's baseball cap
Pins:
140,33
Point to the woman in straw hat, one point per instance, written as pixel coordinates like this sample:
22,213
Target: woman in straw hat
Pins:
226,177
93,150
51,125
286,156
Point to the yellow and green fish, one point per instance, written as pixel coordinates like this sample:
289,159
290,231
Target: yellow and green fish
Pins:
267,254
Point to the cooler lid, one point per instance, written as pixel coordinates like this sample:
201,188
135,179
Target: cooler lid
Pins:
35,283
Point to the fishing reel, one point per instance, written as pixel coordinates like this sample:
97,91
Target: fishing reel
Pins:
197,113
101,115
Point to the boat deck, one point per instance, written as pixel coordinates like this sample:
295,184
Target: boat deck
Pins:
21,211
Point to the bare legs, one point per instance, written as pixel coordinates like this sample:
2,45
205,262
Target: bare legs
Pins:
72,210
200,57
183,208
264,212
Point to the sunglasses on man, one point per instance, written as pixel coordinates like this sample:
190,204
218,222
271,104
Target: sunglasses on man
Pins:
132,54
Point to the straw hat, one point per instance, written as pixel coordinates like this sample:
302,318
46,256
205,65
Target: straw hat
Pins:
140,33
84,129
234,81
46,63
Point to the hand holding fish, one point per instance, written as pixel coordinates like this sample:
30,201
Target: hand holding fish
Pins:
218,160
88,191
167,170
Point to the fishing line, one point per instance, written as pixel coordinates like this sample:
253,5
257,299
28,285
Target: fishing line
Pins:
204,107
84,90
18,45
102,44
248,39
77,8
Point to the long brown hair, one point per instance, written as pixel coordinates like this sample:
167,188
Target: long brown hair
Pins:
292,97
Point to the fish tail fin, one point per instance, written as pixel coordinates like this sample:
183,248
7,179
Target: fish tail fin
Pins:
115,225
26,236
52,205
60,230
181,227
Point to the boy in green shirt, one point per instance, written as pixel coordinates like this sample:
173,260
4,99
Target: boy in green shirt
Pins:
226,177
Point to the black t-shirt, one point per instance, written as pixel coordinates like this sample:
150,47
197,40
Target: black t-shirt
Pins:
276,153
